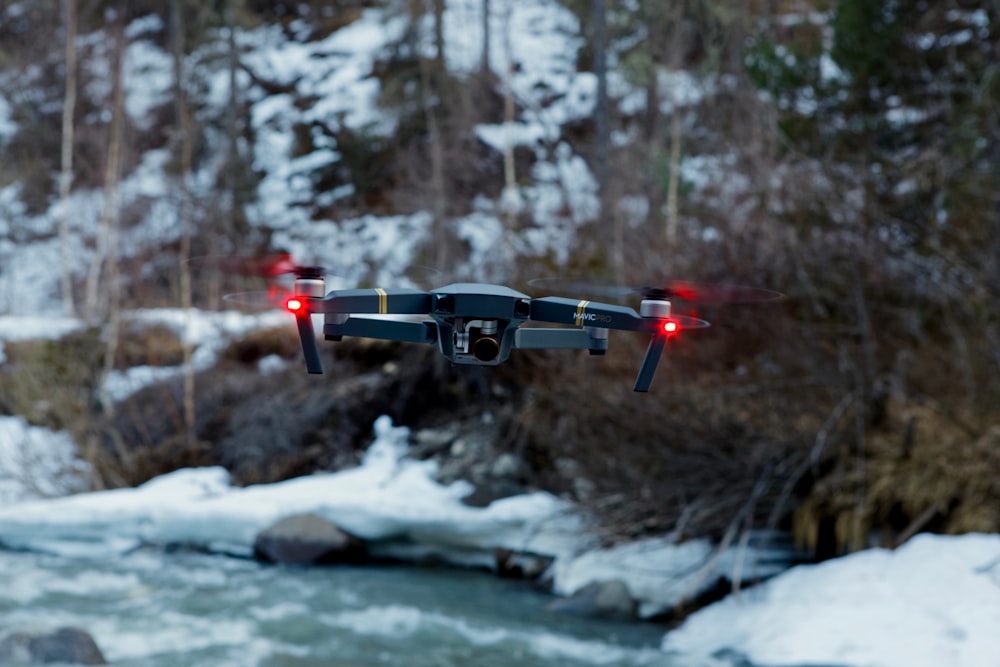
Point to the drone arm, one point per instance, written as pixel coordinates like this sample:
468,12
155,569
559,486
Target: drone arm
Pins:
552,339
374,301
559,310
575,312
368,327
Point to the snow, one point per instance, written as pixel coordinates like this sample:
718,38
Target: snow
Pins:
934,601
389,499
146,63
337,73
8,128
13,328
661,573
37,463
208,332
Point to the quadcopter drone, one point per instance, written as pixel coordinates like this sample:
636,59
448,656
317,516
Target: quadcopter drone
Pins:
479,323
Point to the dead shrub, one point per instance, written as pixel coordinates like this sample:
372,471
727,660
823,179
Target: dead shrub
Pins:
254,346
148,344
52,383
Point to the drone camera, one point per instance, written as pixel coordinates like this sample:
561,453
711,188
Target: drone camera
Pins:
485,349
478,338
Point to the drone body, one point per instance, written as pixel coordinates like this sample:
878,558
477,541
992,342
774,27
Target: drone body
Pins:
478,323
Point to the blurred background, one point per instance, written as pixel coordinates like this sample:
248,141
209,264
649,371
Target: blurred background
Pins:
845,153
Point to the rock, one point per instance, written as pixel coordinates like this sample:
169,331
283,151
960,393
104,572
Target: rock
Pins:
65,645
430,442
308,539
521,564
506,466
600,599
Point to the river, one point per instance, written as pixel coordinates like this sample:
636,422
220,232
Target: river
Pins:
154,609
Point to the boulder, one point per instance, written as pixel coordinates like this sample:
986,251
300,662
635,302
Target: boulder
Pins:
65,645
513,564
308,539
600,599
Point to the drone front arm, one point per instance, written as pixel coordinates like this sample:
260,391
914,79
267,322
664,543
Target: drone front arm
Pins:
559,310
375,301
382,329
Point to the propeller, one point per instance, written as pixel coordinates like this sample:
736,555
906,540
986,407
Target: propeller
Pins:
684,290
275,297
257,281
262,266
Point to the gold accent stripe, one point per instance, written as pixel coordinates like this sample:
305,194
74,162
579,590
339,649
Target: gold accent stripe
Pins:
383,301
580,311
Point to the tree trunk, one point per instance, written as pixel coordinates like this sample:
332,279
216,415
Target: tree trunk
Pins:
111,214
510,201
484,60
438,6
183,146
601,123
66,161
100,301
673,181
432,84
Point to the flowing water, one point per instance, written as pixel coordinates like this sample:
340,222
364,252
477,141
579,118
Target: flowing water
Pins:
153,609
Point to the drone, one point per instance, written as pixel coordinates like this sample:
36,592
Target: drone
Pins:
480,324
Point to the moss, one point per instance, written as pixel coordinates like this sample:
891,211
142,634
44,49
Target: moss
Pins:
52,383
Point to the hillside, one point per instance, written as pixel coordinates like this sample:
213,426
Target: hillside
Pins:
843,153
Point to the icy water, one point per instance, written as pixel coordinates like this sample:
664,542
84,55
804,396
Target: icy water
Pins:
152,609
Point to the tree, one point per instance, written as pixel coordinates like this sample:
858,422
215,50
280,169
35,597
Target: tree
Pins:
884,120
66,158
183,147
102,286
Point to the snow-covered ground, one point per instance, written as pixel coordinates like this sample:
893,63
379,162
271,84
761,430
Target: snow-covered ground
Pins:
37,463
934,601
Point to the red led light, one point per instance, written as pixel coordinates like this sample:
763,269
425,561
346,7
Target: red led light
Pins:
671,326
295,305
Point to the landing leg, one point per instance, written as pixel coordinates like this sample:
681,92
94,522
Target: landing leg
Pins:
648,368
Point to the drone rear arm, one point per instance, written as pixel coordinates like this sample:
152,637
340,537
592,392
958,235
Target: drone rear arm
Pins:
587,338
375,301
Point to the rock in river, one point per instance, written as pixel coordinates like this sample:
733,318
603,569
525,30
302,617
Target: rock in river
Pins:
307,539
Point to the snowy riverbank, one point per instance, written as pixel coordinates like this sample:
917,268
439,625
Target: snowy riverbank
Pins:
391,501
935,601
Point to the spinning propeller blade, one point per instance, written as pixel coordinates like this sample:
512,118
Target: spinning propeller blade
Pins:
260,266
260,299
684,290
